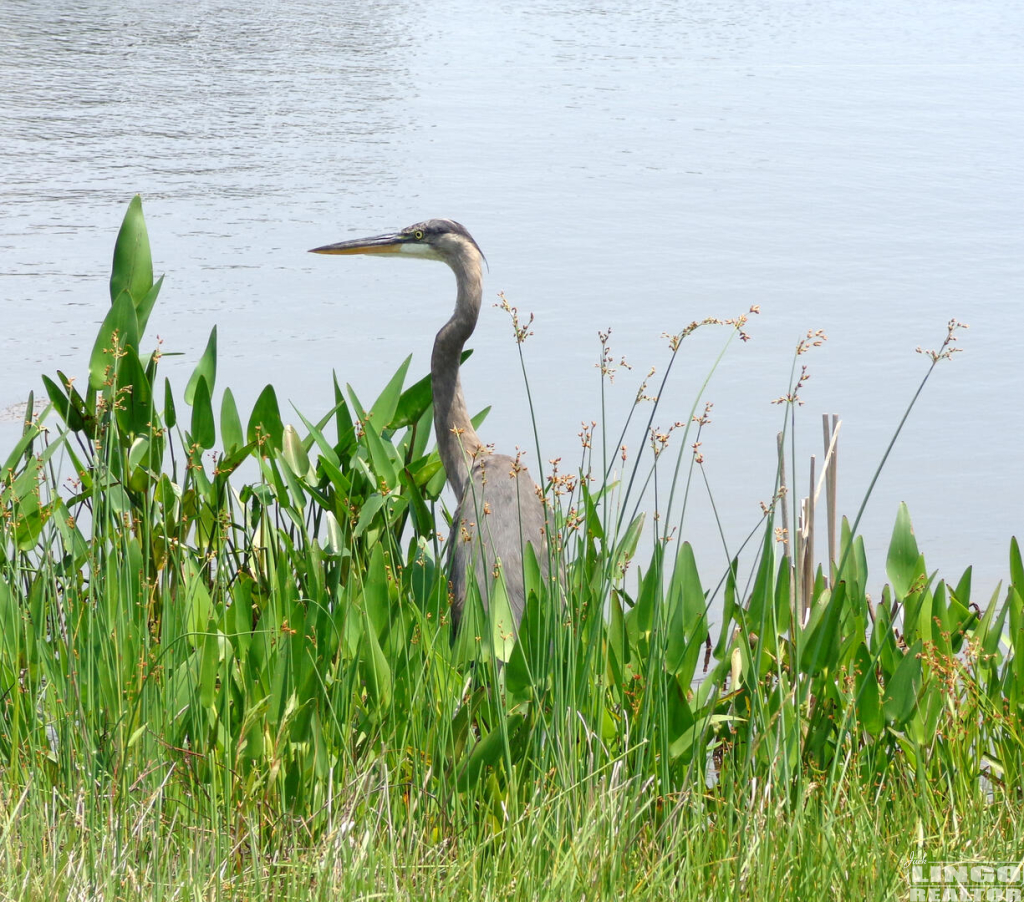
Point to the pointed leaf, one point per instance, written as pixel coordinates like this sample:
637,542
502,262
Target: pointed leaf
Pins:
502,622
378,673
203,431
383,409
132,269
685,616
627,546
903,564
1016,566
135,401
62,404
170,417
206,368
821,646
901,690
266,419
868,701
230,424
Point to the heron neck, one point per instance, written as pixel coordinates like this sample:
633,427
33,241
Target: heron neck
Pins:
457,441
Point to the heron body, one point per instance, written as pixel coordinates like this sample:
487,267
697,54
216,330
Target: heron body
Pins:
499,508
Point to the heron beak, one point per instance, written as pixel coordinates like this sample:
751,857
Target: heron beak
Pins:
391,243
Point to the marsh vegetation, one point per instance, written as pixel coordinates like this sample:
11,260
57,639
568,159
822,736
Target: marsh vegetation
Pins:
227,668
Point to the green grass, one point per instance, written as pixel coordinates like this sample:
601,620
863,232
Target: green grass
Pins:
217,688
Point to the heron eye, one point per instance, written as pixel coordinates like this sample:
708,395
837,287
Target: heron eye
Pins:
418,234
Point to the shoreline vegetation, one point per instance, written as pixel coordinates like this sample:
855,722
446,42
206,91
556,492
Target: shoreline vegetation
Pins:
224,686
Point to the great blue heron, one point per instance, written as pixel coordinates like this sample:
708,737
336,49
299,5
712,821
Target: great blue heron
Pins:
499,506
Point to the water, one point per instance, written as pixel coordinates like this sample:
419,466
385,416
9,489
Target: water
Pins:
851,167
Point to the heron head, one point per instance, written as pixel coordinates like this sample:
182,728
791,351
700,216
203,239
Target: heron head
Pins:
434,239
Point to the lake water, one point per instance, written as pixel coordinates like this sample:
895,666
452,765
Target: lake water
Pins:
856,167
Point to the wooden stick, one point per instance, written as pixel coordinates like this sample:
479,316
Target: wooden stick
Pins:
782,488
828,471
791,540
797,576
809,546
833,484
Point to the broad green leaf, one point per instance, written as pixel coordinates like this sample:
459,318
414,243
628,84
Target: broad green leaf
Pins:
922,725
204,430
962,592
230,424
375,593
378,673
1015,605
528,658
383,410
205,369
345,427
679,722
990,627
762,596
335,534
684,616
63,405
627,546
868,700
820,648
942,630
903,565
901,690
74,541
198,604
618,646
138,453
371,507
85,418
170,416
22,499
118,331
134,406
917,612
783,599
382,453
473,639
1016,566
265,422
208,669
132,269
641,617
502,623
594,525
422,518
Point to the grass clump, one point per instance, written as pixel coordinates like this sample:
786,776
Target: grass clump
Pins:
224,688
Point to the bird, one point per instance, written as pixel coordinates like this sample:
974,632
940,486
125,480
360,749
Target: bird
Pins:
499,508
